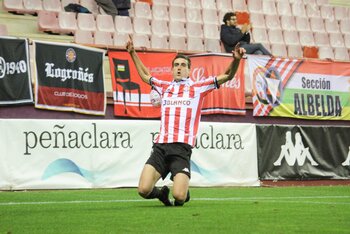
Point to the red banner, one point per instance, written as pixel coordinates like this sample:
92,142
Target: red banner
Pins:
230,98
131,94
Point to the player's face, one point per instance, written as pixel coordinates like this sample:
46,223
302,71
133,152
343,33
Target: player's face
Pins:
180,69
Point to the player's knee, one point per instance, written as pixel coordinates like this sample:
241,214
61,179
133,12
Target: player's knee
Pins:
143,191
180,195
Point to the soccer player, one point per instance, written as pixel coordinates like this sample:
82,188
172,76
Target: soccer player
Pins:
181,105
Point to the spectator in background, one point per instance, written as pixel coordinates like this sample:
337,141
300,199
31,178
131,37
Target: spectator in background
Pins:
230,35
108,6
122,6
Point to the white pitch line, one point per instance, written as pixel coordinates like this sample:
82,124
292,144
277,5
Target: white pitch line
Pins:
248,199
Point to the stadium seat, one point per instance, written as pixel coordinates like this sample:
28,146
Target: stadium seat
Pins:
302,24
322,2
211,31
32,6
210,16
143,10
91,5
279,50
160,12
269,7
291,37
86,22
123,24
298,9
336,40
3,30
272,22
160,3
52,5
321,39
331,26
327,12
254,6
83,37
194,15
239,5
103,38
180,3
120,39
283,8
105,23
195,44
177,13
341,54
275,36
294,51
310,52
345,26
288,22
13,5
160,27
260,35
142,26
209,4
306,38
159,42
141,40
195,4
257,20
313,10
347,40
177,43
325,53
317,25
194,30
212,45
340,12
224,5
48,21
177,29
67,22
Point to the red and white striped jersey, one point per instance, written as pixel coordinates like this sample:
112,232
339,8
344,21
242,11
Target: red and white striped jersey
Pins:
181,108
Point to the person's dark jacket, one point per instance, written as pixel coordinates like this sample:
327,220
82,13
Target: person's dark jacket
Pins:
122,4
231,35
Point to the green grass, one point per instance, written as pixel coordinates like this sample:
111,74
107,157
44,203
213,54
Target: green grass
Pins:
211,210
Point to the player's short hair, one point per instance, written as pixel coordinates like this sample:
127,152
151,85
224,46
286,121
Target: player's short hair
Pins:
183,57
228,16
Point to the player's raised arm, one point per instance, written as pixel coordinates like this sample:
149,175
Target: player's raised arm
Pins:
140,67
237,54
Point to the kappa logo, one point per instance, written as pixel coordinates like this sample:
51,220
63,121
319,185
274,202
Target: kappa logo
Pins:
186,169
347,160
293,153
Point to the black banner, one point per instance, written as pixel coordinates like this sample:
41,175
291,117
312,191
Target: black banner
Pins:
15,80
303,152
69,77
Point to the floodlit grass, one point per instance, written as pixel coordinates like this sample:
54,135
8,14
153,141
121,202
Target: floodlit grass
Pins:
211,210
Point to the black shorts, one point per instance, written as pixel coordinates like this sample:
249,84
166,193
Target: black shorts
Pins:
171,157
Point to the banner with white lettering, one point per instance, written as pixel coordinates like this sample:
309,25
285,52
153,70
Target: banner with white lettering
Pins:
131,95
62,154
69,77
307,89
15,79
303,152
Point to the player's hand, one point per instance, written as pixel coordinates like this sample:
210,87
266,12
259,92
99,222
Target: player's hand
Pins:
130,45
238,52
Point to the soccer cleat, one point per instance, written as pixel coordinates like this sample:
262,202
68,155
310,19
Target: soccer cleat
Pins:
164,196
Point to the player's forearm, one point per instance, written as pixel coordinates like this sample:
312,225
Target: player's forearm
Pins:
140,67
230,72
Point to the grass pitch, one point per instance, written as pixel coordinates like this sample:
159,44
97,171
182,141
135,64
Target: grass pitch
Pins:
211,210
